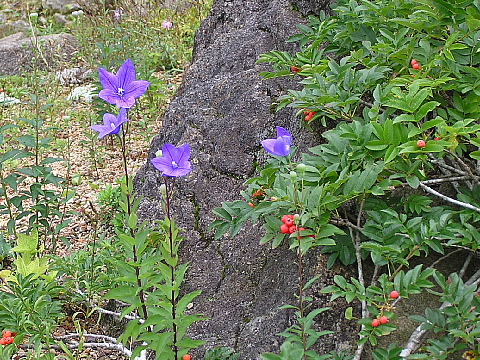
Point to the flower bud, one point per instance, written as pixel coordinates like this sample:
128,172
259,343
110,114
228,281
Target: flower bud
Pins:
163,190
34,16
301,168
293,175
159,153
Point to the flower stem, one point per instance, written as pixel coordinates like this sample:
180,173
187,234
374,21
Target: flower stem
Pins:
173,299
141,294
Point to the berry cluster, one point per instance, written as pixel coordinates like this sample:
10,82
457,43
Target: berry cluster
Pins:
289,227
309,115
7,337
382,320
415,64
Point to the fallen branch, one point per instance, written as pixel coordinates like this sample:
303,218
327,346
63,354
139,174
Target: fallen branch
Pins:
449,199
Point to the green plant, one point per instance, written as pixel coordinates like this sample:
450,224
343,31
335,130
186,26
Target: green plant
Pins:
397,132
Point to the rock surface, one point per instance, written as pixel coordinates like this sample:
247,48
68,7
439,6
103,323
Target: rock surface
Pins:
43,52
223,110
60,6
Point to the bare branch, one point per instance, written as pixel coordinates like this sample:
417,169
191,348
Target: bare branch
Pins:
449,199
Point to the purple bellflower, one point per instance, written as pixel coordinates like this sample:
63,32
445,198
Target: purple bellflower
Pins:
121,89
174,161
111,124
279,146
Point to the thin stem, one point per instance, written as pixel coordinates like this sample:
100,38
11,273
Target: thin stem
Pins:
141,293
173,299
356,242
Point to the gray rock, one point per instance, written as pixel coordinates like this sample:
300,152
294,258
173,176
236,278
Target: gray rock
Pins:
13,27
60,19
60,6
18,53
223,110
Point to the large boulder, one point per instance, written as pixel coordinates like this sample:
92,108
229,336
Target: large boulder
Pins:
223,109
42,52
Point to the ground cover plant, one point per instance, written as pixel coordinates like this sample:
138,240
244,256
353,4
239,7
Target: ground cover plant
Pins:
395,180
60,252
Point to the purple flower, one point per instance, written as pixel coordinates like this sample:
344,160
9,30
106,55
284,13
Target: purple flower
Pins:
121,89
173,162
279,146
166,24
111,124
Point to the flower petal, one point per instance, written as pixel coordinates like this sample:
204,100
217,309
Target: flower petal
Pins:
269,145
162,164
283,132
282,146
136,88
108,80
126,74
125,103
103,130
109,96
183,155
169,151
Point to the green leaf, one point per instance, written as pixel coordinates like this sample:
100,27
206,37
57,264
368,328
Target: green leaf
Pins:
221,212
413,181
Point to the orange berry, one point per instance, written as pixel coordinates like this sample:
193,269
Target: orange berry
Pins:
251,204
6,333
186,357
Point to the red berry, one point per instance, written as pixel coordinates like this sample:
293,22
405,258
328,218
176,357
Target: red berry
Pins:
6,333
287,219
8,340
186,357
383,319
284,229
421,143
292,229
394,294
438,138
414,61
416,66
251,204
375,322
295,69
310,115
